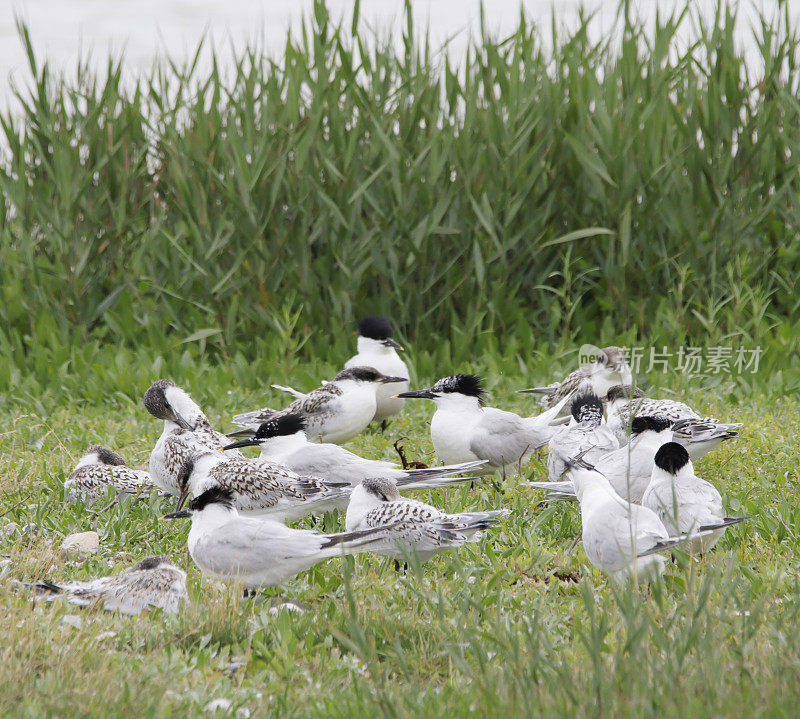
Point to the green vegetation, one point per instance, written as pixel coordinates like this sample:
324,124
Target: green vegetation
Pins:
501,208
491,630
633,188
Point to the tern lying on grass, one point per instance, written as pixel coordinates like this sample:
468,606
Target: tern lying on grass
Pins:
683,501
153,582
463,430
100,469
283,440
335,412
699,435
416,529
259,552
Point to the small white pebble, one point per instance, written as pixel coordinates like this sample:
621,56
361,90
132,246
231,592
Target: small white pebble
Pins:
72,620
10,529
243,713
286,606
216,704
105,635
80,545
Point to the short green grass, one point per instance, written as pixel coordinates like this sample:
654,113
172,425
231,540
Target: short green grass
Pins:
512,626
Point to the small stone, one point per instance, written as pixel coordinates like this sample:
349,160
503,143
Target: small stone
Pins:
278,606
216,704
72,620
9,529
243,713
80,545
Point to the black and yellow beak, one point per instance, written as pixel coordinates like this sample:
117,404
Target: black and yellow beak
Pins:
249,442
389,342
181,514
418,394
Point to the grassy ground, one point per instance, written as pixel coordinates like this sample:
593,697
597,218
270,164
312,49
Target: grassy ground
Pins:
513,626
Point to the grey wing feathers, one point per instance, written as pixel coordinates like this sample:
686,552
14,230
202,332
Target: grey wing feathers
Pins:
563,389
258,484
664,544
700,430
549,389
93,480
252,420
431,472
289,390
315,401
503,438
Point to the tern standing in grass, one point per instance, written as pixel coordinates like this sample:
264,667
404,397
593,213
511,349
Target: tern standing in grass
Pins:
335,412
283,441
259,552
377,348
464,430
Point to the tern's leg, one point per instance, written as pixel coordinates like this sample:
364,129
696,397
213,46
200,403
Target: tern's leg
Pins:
384,425
572,546
397,566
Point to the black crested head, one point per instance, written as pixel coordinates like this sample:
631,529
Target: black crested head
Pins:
155,399
587,408
375,327
150,563
106,456
281,426
619,391
359,374
468,384
652,424
672,457
215,495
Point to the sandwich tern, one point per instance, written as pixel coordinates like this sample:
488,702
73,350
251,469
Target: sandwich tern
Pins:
260,488
415,528
376,348
609,368
698,434
259,552
152,582
283,440
97,470
685,502
463,430
627,469
586,435
186,431
620,538
335,412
